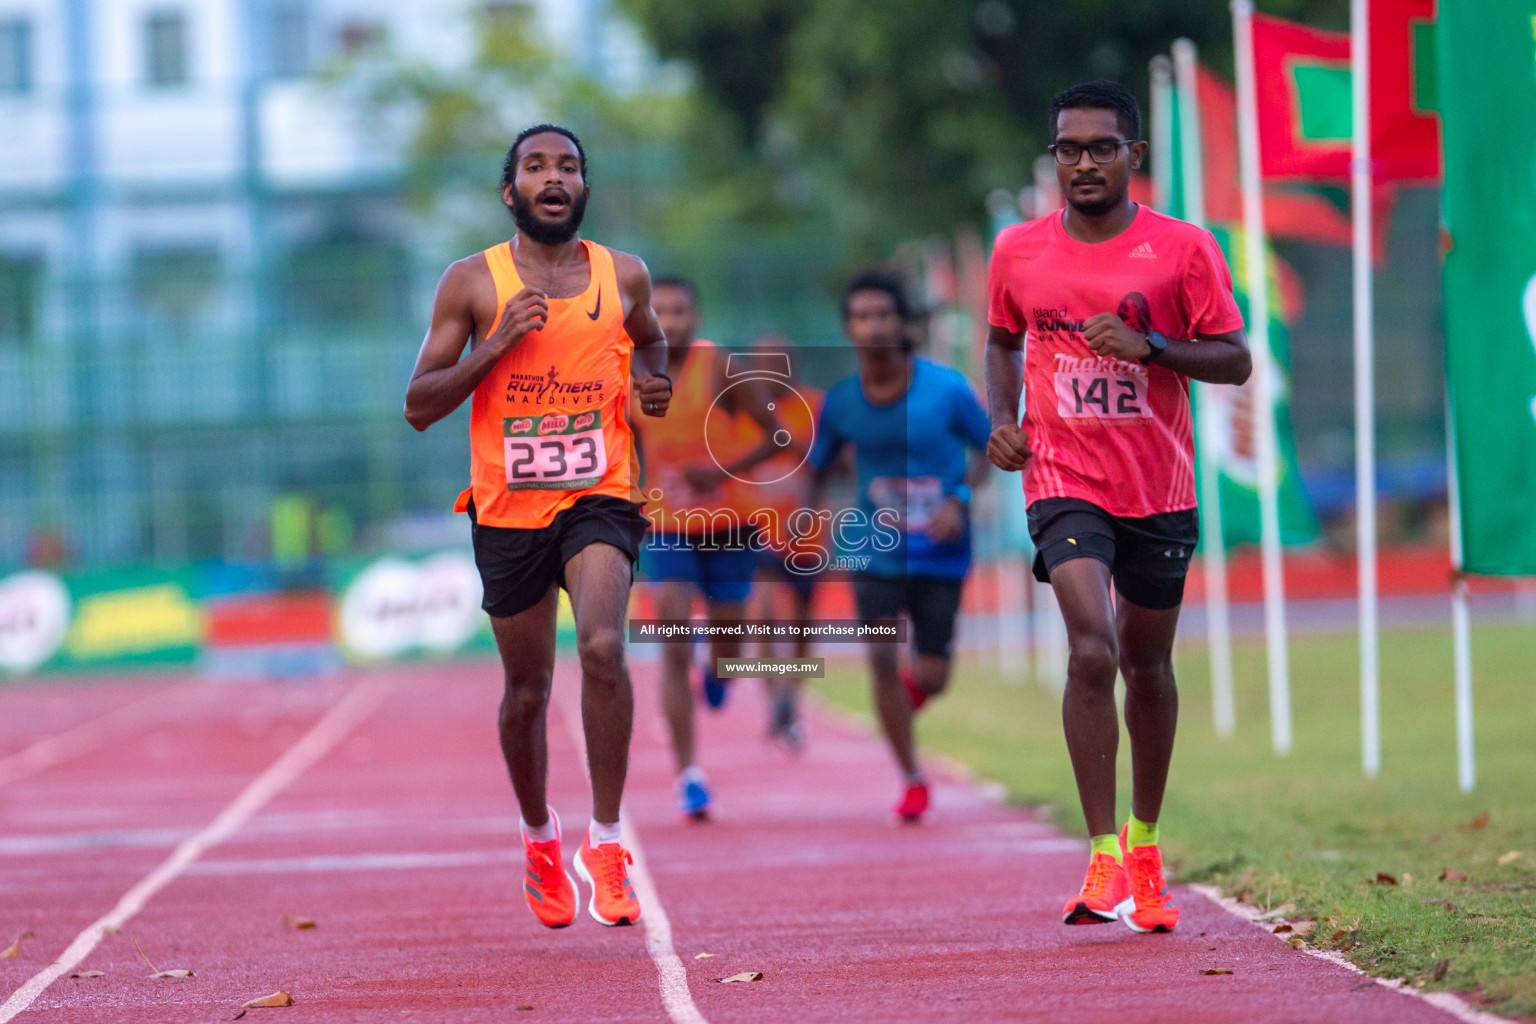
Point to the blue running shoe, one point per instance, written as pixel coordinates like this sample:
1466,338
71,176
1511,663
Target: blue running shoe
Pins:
693,798
714,691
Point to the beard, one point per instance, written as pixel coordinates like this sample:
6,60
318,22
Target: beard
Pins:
549,232
1097,207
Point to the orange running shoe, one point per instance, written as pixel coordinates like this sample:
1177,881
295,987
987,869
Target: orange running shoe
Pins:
1106,890
548,887
914,803
1151,909
605,869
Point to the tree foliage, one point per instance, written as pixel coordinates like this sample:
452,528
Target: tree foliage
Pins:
887,120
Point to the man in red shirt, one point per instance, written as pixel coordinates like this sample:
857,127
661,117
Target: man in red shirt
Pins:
1121,307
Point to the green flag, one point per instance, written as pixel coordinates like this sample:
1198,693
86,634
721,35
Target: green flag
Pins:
1487,92
1234,408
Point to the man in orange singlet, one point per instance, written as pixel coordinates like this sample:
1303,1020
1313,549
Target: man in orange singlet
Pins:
553,322
697,464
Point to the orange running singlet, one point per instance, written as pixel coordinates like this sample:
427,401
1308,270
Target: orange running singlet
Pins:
550,423
693,433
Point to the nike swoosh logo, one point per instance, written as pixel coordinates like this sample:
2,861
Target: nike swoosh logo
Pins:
597,308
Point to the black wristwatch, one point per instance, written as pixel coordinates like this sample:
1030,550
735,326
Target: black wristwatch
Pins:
1158,344
664,375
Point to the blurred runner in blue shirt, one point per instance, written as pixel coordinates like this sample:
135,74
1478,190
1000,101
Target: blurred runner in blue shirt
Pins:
909,422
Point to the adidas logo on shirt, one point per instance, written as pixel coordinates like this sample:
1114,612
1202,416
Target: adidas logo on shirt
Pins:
1143,252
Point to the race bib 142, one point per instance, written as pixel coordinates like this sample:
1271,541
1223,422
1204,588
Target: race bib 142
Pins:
1101,389
561,451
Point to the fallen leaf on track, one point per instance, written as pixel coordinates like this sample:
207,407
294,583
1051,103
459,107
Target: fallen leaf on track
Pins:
89,974
111,929
745,976
158,973
1447,875
1217,970
14,949
1478,823
1511,857
1382,878
298,923
1441,968
705,956
1295,943
1281,929
278,998
525,1006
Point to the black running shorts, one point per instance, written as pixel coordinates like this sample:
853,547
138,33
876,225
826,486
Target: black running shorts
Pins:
517,567
1148,557
933,604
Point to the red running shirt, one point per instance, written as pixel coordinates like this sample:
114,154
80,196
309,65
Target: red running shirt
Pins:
1107,431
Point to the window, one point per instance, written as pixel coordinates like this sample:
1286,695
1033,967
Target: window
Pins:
21,281
345,282
15,57
174,289
290,41
165,49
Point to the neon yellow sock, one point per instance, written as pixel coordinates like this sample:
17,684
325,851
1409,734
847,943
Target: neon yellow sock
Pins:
1109,844
1141,833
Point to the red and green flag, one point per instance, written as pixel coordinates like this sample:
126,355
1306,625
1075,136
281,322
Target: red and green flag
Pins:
1302,76
1405,124
1302,79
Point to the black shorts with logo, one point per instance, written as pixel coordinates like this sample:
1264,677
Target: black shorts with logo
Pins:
1148,557
933,604
517,567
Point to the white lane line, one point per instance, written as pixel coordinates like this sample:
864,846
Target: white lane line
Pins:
658,929
314,745
355,862
1447,1001
71,743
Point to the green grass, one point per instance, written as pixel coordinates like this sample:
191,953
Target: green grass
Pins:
1308,829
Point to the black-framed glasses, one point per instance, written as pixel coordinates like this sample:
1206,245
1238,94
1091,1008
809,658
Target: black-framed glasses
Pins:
1102,151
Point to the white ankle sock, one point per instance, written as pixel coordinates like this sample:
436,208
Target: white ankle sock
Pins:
693,773
543,834
602,832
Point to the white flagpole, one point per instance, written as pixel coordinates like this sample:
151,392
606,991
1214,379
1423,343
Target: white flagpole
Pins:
1218,629
1461,618
1264,385
1365,381
1162,134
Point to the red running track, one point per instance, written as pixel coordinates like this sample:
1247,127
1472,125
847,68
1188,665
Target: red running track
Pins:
388,820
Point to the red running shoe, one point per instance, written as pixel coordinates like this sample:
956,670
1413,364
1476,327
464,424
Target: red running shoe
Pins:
1151,908
606,869
549,889
914,803
1106,891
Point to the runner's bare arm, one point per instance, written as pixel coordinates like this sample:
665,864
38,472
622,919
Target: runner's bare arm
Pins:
652,390
753,398
1008,447
441,380
1215,358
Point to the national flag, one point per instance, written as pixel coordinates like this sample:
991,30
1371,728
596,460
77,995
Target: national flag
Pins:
1303,86
1405,123
1289,213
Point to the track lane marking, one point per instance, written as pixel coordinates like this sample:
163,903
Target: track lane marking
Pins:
346,715
675,995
